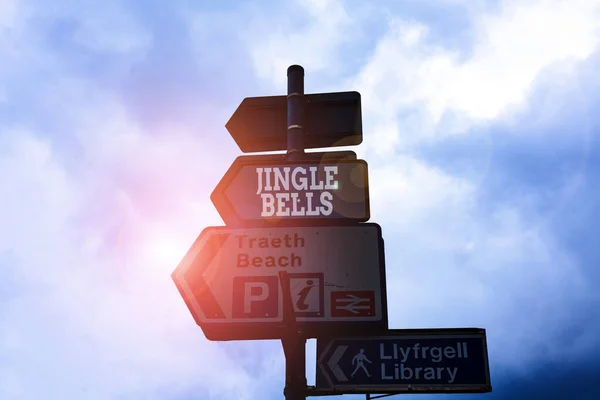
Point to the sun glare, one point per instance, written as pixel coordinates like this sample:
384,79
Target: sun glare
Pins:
162,252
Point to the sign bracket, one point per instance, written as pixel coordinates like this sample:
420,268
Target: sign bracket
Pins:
368,396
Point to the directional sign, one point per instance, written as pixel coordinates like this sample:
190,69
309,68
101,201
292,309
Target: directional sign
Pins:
425,360
332,119
230,281
276,192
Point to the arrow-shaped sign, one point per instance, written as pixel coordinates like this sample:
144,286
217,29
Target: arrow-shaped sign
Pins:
260,192
332,119
404,361
230,281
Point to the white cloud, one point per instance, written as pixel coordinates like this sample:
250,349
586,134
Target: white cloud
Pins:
275,45
92,252
35,191
451,264
454,261
8,13
408,189
511,48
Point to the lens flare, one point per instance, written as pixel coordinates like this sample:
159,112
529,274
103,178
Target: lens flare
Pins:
162,252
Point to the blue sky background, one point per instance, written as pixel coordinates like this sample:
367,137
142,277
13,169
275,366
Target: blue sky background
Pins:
480,133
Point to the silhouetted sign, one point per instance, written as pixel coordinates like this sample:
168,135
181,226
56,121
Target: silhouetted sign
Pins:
259,192
426,360
332,119
230,280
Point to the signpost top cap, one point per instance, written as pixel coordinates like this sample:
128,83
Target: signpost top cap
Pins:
295,69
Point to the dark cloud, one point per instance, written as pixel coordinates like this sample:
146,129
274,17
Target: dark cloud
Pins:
557,380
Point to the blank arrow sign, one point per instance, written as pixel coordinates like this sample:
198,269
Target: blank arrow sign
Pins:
333,364
332,119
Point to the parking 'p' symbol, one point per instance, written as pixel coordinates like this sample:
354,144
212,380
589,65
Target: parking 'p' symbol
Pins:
255,297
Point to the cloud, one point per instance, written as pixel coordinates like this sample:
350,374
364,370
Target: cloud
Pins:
8,13
325,26
443,244
449,91
95,218
460,232
558,379
111,317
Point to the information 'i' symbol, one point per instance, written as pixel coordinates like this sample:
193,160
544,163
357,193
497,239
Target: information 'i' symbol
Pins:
301,303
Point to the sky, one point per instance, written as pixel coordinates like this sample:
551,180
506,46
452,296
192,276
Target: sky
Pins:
481,136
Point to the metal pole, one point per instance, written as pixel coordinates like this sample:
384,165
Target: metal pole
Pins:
295,113
294,347
294,344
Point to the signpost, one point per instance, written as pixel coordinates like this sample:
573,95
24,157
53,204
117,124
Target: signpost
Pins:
331,119
298,259
266,192
231,282
402,361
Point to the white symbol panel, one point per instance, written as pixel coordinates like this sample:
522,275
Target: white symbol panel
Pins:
307,294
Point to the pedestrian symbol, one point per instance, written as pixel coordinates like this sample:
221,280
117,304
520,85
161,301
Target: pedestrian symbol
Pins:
359,360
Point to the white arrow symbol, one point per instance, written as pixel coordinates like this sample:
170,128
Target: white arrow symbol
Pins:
353,304
333,363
